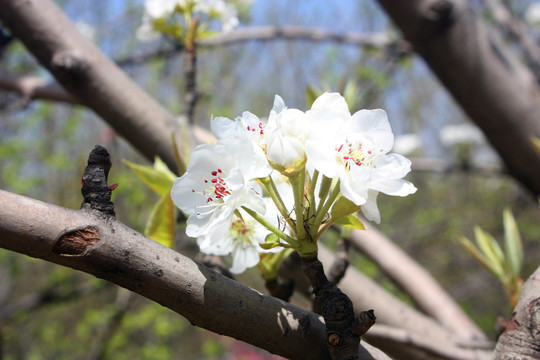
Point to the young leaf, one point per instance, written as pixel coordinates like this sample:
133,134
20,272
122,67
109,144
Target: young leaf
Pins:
473,250
351,221
159,178
512,243
536,143
492,251
162,222
271,241
343,207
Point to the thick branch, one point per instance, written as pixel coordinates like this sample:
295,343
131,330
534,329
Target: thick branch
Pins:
500,95
521,339
87,74
127,258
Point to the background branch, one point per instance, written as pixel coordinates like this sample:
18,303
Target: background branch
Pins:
86,73
497,92
416,281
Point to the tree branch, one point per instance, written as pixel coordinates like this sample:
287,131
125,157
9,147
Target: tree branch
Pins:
499,94
366,294
416,282
35,88
521,338
87,74
127,258
376,41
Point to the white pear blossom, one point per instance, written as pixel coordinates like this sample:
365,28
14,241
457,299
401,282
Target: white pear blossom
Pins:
461,134
242,239
532,14
286,134
217,182
355,150
248,125
407,144
157,9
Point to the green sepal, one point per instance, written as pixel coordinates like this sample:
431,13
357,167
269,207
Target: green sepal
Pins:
162,222
351,221
270,241
159,178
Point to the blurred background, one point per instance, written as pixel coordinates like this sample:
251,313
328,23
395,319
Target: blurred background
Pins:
44,147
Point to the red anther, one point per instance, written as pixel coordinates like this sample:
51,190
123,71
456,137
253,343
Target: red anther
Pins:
339,148
113,186
214,181
214,173
219,170
369,152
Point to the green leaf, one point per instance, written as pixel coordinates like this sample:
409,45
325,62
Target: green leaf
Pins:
162,222
491,250
351,221
512,243
270,241
536,143
343,207
311,95
473,250
159,178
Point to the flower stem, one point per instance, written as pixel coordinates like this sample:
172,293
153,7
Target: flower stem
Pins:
298,190
311,194
323,208
271,189
289,240
323,191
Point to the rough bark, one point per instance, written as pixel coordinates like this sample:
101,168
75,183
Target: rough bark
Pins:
400,330
500,94
521,338
87,74
114,252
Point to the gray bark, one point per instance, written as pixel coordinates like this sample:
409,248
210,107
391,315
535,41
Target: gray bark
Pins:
500,94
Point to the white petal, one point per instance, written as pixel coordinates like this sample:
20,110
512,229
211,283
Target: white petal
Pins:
333,101
395,187
370,208
279,104
221,126
391,166
244,258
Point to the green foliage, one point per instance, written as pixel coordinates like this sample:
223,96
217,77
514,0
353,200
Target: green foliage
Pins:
344,213
161,225
505,265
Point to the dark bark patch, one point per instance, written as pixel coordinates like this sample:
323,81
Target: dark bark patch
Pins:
77,242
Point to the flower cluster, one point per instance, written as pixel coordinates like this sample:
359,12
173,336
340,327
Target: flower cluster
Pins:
281,182
158,13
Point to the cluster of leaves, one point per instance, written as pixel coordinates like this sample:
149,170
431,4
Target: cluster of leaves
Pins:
506,265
